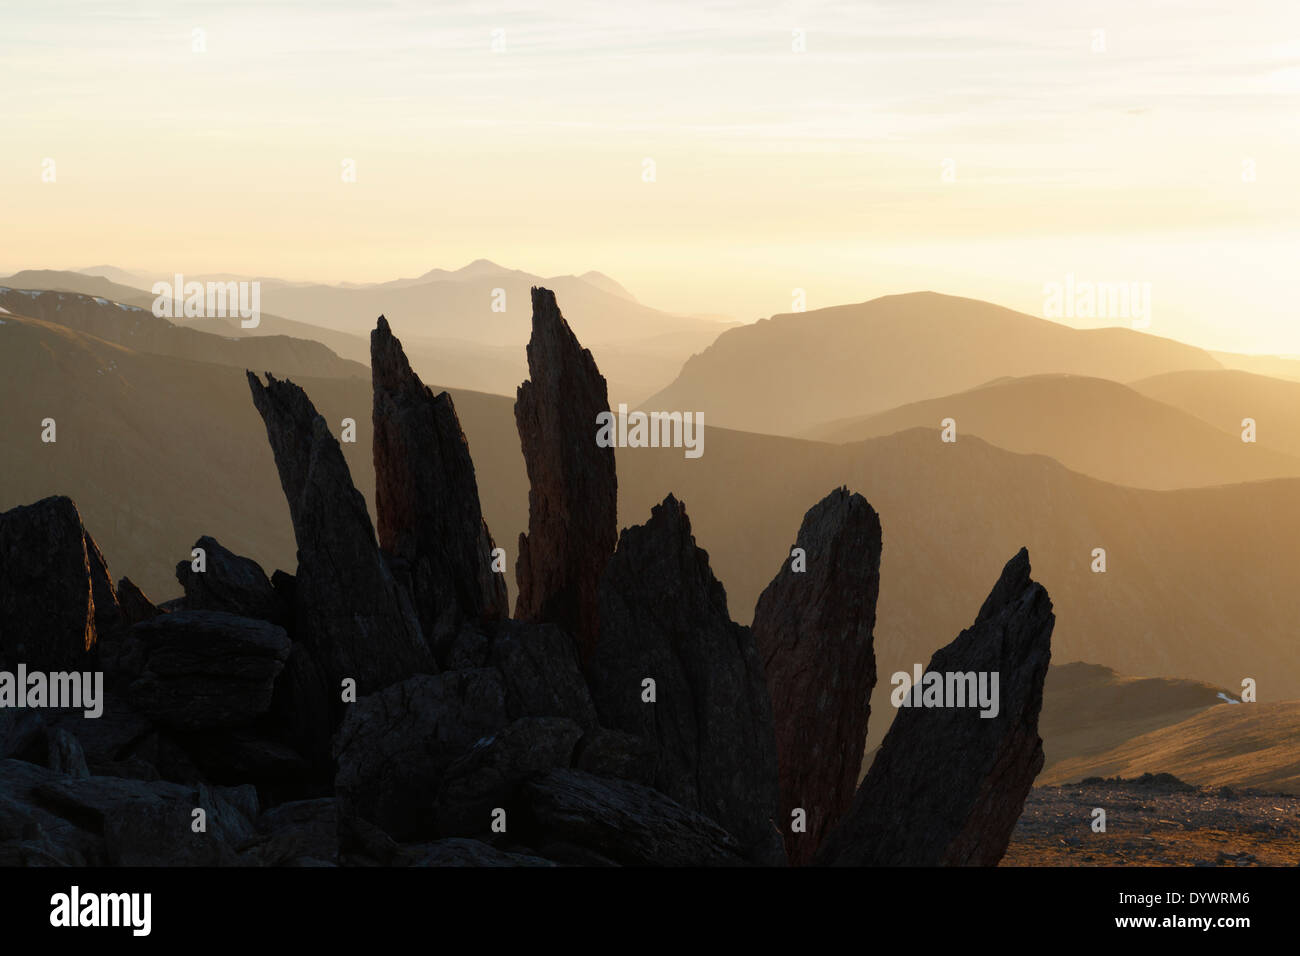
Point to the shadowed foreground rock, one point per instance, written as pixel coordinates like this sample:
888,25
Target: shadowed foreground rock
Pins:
573,491
813,629
426,499
663,616
230,583
47,608
348,608
624,822
394,747
948,785
206,669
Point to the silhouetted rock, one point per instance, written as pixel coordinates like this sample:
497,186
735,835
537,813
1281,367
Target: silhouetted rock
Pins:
206,669
108,615
135,605
947,784
663,617
231,584
348,608
539,669
573,490
394,747
487,777
47,607
813,629
301,707
148,823
624,822
426,499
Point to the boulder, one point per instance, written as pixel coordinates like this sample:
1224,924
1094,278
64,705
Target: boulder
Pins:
230,583
394,747
206,669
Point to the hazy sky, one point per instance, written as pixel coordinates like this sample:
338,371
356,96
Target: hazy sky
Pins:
775,169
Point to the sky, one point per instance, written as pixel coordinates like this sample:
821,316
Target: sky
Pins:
847,149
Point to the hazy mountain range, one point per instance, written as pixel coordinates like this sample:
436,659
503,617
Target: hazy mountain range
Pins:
446,320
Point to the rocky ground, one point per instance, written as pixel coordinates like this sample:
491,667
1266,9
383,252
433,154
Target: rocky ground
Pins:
1155,820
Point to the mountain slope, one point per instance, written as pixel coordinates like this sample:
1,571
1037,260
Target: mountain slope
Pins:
1248,745
1223,397
141,330
1088,708
795,371
1090,425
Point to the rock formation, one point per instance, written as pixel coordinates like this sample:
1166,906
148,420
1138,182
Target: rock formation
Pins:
201,670
47,605
623,719
948,784
394,747
663,618
426,499
573,490
813,629
624,823
348,608
229,583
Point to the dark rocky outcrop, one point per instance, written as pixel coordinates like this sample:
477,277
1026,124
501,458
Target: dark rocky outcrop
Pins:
47,605
623,822
135,604
50,818
573,490
540,672
487,777
348,608
108,614
426,499
230,583
813,629
663,617
394,747
947,784
301,706
201,670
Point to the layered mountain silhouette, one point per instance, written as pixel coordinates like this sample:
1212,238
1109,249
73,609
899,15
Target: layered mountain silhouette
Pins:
447,320
1107,430
793,372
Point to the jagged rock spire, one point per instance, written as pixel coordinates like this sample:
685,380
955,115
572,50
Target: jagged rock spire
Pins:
813,629
663,617
426,499
348,607
948,784
573,493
